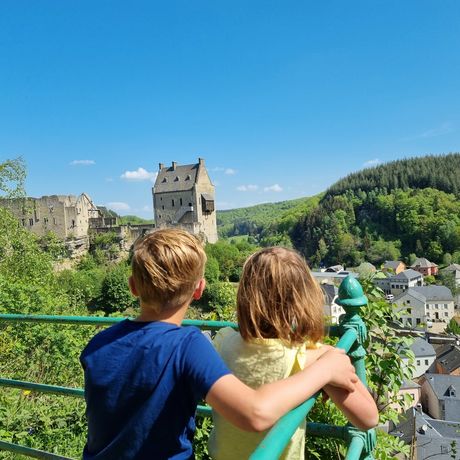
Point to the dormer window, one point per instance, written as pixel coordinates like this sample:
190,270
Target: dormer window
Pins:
189,177
164,180
176,179
450,392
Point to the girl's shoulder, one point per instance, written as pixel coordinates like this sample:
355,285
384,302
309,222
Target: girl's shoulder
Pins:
222,336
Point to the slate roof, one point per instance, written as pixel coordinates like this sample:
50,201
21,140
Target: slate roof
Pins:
423,262
409,384
431,438
434,292
449,357
452,268
411,292
176,179
408,274
422,348
441,382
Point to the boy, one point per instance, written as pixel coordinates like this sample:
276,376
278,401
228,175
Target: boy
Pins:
144,378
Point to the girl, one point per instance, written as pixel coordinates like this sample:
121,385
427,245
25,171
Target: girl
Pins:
280,318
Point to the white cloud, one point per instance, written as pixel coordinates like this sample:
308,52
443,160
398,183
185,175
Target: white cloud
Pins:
370,163
139,175
273,188
82,162
118,206
147,208
445,128
230,171
247,188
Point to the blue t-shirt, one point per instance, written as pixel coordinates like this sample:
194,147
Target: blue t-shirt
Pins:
143,381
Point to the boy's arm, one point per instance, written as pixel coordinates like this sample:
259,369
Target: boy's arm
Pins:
358,406
257,410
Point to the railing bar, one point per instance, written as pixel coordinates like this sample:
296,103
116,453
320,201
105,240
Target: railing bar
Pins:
42,388
203,411
325,430
29,452
103,320
355,448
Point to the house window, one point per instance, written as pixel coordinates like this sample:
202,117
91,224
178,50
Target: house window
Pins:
408,301
31,222
418,320
426,362
446,313
418,362
190,204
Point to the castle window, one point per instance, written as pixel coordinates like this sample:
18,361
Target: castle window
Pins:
180,201
164,180
163,207
31,222
45,220
54,221
23,222
172,203
189,177
73,223
176,179
190,204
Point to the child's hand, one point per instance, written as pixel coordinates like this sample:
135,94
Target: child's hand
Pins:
313,354
342,372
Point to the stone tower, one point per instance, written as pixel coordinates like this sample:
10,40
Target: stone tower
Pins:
183,196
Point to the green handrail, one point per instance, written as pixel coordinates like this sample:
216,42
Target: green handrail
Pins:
351,330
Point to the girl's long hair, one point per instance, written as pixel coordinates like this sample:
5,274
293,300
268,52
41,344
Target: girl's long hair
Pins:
279,298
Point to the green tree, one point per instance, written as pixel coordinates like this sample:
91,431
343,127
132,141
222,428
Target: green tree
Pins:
12,177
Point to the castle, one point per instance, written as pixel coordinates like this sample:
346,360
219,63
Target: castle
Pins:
183,196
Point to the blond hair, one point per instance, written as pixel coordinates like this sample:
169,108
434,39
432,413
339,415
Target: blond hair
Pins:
166,265
279,298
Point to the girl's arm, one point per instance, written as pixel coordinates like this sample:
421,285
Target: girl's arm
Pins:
358,406
258,410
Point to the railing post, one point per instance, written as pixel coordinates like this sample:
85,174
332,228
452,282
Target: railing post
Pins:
352,299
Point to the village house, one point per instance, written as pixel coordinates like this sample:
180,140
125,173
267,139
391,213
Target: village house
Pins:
448,359
424,357
441,396
398,283
331,309
183,196
393,266
425,267
429,439
424,304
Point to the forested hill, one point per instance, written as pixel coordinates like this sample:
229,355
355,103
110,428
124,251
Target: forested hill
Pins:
439,172
402,209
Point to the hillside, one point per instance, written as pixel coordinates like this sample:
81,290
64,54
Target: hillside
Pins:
401,209
273,217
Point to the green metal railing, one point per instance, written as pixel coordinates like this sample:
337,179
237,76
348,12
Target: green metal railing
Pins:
352,333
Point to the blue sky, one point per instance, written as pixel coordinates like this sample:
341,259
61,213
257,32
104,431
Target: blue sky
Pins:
281,98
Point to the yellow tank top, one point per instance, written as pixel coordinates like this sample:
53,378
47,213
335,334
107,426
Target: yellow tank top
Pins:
255,363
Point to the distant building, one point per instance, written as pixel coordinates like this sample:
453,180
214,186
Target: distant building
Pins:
424,357
426,303
454,269
429,439
67,216
425,267
398,283
394,266
441,396
448,359
331,309
183,196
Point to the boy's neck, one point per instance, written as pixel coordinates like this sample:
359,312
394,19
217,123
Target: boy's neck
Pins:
173,315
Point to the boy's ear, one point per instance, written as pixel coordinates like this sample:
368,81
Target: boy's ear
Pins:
199,289
132,287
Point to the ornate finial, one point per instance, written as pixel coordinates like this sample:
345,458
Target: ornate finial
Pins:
351,293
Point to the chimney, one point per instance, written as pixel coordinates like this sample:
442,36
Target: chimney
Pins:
201,161
160,166
174,165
